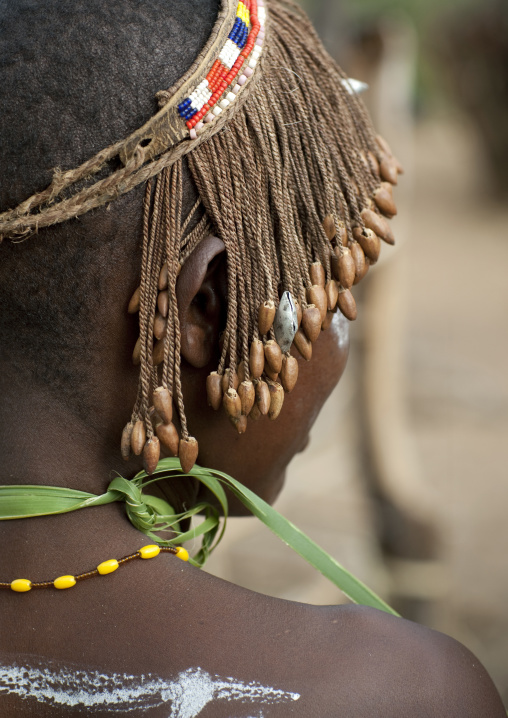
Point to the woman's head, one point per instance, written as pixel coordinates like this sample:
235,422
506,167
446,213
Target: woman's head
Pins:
285,185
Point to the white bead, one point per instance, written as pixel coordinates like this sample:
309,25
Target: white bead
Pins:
230,96
253,62
224,103
216,110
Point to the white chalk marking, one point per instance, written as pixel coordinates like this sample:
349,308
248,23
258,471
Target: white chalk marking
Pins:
53,683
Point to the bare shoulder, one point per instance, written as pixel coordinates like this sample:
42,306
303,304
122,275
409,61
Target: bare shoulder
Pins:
397,668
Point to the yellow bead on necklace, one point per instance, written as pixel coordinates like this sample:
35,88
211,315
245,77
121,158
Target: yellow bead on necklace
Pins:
22,585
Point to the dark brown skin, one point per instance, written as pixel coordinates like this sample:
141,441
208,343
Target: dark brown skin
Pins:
163,616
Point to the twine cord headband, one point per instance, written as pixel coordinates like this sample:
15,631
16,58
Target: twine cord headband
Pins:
292,179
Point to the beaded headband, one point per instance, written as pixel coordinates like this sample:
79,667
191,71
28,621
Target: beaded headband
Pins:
293,180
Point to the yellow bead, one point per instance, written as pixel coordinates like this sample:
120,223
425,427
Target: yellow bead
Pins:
64,582
20,585
107,566
182,553
149,551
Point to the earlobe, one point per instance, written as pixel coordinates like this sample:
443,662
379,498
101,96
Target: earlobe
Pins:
200,299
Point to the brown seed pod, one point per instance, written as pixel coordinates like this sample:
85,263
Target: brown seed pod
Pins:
328,320
329,226
347,304
332,293
378,224
273,356
317,274
266,315
163,277
225,380
239,423
134,302
400,168
369,242
268,373
317,295
125,443
232,404
366,266
359,260
299,313
262,397
159,326
168,436
138,437
346,269
341,237
158,353
257,358
188,453
163,403
388,170
214,390
383,197
243,372
303,344
163,303
247,396
276,399
311,322
136,353
373,162
384,146
289,372
151,454
255,414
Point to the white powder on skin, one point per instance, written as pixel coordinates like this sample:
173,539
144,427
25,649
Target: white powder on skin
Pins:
188,693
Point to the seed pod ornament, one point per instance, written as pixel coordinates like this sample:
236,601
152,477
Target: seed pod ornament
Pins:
266,315
276,400
125,444
257,358
232,404
273,356
247,396
151,454
329,226
317,274
317,295
347,304
188,453
369,242
163,404
230,377
383,197
346,269
214,390
289,372
303,344
134,302
263,397
311,322
332,293
168,437
378,224
138,437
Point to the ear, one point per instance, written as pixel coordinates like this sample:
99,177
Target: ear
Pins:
200,297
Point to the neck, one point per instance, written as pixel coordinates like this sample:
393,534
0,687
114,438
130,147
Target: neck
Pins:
43,442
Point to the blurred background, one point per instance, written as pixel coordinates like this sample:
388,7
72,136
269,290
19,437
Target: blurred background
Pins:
404,481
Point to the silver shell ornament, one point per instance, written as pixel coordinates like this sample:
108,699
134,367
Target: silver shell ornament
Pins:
285,324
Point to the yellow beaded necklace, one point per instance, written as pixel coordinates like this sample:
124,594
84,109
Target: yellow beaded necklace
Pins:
22,585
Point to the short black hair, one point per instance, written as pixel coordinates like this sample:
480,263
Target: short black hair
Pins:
77,75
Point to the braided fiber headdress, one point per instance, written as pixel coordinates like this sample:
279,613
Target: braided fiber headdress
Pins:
293,180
